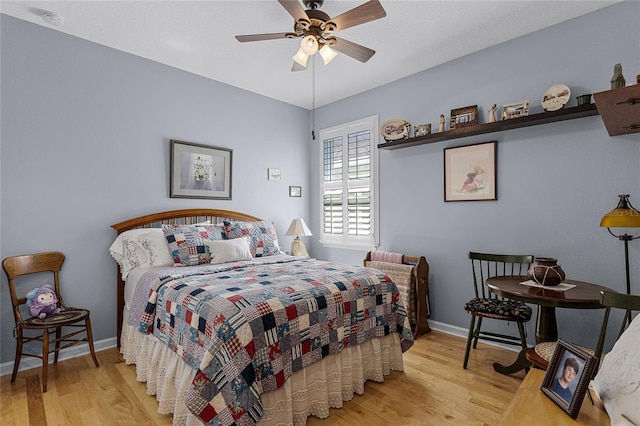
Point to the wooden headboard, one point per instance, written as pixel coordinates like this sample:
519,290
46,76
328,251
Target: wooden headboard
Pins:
155,220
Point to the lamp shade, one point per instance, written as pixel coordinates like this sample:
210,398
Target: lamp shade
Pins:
327,54
309,45
297,228
623,216
301,58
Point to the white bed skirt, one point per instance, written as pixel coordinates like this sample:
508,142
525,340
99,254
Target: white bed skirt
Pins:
311,391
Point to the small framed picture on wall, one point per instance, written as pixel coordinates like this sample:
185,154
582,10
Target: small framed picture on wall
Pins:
295,191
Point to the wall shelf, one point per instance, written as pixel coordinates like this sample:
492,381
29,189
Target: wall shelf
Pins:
620,109
579,111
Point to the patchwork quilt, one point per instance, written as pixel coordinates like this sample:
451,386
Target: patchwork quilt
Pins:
247,326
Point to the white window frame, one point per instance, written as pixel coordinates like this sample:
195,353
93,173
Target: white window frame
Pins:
344,240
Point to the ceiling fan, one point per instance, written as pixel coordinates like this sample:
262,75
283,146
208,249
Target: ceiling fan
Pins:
316,29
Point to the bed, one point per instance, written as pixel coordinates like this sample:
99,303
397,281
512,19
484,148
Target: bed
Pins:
225,328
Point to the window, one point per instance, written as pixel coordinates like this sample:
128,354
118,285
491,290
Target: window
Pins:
349,196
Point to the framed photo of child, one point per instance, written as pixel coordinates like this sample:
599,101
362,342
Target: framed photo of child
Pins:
567,377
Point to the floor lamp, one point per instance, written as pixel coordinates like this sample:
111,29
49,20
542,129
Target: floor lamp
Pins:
623,216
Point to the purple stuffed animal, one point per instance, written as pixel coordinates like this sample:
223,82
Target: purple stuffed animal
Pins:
43,301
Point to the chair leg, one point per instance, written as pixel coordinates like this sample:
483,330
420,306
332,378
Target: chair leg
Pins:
16,362
523,340
476,333
57,346
469,338
90,341
45,359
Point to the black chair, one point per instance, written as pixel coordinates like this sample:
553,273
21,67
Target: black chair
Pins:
49,262
486,304
626,302
541,354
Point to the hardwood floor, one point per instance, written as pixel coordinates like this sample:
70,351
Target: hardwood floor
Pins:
433,390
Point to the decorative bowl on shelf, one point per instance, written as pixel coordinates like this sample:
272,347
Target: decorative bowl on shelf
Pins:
556,97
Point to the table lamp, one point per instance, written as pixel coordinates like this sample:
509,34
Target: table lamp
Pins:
298,228
623,216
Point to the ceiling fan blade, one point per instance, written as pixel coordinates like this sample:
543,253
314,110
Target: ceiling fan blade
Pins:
260,37
297,67
356,51
295,9
369,11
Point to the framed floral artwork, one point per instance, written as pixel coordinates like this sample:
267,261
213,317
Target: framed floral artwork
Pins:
200,171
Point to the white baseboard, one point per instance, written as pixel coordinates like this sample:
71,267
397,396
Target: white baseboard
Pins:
464,332
83,349
79,350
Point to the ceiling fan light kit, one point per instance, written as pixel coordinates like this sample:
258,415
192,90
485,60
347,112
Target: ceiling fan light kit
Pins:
301,58
309,45
316,29
327,54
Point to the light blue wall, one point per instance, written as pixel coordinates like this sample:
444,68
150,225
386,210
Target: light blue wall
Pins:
85,144
554,181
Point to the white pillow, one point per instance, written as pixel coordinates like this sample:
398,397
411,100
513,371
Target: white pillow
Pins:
155,245
223,251
617,383
134,256
117,247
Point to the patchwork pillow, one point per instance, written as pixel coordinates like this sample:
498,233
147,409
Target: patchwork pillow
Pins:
262,237
186,243
116,250
155,246
229,250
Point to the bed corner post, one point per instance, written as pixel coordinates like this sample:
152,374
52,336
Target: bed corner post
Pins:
120,306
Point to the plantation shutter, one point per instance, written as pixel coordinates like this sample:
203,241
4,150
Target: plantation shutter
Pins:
347,183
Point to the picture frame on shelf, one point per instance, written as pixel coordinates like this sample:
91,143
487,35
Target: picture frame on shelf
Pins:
295,191
464,117
470,172
421,130
200,171
515,110
567,378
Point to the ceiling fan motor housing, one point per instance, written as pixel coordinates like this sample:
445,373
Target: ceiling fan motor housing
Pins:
313,4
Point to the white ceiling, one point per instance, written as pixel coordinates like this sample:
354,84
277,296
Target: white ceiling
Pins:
198,36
